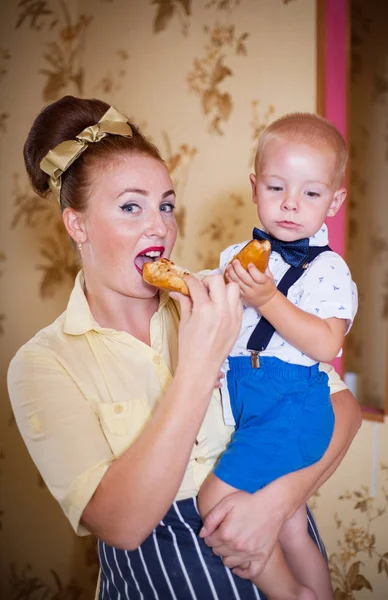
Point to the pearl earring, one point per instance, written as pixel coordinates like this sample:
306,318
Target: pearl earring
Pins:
80,247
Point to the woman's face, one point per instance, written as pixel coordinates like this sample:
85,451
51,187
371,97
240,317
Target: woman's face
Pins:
129,221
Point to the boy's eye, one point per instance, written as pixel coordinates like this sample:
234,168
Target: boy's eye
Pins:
130,207
274,188
312,194
167,207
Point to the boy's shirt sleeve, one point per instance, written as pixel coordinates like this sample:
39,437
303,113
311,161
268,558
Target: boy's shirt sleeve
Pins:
206,272
327,289
225,258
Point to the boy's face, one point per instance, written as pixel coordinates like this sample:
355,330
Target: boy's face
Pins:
295,189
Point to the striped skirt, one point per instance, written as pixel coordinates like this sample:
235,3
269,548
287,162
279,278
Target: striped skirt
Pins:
173,563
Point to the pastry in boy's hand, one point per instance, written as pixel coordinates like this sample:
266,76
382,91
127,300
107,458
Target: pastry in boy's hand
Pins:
166,275
254,252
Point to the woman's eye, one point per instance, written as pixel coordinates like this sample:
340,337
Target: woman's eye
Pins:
167,207
130,207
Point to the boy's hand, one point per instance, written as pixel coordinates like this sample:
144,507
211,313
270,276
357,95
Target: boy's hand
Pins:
256,288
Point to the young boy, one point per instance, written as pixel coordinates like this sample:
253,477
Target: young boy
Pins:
295,315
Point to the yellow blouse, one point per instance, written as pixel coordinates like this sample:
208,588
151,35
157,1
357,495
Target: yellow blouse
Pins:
82,393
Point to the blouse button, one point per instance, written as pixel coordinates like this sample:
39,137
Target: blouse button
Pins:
201,460
156,360
118,408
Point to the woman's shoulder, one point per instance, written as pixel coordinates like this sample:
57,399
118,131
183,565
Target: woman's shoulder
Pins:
43,344
56,338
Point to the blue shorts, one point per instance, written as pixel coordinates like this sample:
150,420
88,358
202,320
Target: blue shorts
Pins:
284,421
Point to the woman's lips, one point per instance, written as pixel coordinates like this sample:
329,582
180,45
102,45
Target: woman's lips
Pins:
148,254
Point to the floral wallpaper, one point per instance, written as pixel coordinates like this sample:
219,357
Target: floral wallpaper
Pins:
202,78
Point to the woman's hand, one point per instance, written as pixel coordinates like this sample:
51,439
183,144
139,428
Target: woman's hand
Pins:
210,322
218,382
243,528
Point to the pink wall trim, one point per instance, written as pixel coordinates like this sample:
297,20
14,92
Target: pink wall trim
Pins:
335,103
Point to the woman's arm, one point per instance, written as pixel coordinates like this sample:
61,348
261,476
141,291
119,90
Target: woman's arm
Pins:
140,486
243,526
122,499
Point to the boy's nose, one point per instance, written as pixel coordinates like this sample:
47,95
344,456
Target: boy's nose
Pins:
290,202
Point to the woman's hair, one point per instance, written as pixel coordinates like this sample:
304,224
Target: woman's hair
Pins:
308,129
63,120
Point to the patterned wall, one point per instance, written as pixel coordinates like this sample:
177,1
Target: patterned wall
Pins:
202,77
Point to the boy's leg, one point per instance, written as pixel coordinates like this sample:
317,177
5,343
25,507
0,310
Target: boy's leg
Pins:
304,557
276,580
212,491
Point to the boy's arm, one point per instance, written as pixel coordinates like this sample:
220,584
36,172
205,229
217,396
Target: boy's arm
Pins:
320,339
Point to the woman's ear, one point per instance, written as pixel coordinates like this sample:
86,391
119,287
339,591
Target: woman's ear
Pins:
337,202
253,180
75,225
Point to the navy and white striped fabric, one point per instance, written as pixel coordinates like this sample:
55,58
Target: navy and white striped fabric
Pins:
173,563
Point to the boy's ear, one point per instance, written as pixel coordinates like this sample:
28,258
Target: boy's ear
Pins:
75,226
337,202
253,180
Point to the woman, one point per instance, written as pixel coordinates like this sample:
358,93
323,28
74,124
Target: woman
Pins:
122,424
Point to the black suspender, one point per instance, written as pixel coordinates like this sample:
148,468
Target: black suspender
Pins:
263,332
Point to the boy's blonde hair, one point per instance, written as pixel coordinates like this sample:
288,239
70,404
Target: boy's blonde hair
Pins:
309,129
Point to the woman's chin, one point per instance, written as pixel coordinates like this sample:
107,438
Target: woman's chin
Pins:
147,290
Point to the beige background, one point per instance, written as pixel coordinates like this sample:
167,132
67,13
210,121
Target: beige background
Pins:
202,77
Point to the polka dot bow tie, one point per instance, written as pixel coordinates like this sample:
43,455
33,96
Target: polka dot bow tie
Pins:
293,253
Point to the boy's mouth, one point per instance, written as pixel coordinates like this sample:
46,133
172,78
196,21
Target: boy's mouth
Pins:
288,224
148,255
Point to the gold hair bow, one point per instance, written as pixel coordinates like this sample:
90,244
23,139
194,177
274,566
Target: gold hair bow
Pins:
62,156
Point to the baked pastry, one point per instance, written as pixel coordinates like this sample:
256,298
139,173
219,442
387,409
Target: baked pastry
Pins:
254,252
166,275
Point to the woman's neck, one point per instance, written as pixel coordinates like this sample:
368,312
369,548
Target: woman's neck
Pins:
115,311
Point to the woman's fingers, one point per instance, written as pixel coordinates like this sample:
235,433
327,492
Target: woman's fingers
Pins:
218,383
197,289
233,294
253,569
185,305
226,297
233,562
216,287
210,323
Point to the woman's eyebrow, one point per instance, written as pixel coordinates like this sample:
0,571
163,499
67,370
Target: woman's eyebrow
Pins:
144,192
134,191
168,193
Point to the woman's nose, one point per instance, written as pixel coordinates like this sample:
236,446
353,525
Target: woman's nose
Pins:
156,225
